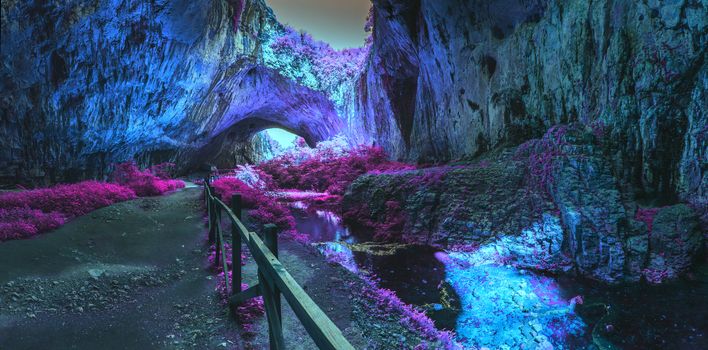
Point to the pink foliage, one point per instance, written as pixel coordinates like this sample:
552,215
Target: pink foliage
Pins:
70,200
163,171
26,213
413,319
267,210
248,312
387,227
646,215
327,173
19,223
151,182
226,187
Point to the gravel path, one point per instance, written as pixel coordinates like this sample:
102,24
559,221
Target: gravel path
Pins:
130,276
135,275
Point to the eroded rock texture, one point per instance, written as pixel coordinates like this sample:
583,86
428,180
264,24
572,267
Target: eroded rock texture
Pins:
86,83
553,208
451,79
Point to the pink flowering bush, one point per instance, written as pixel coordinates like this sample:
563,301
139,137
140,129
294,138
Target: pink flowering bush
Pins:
266,209
70,200
226,187
27,213
18,223
327,172
151,182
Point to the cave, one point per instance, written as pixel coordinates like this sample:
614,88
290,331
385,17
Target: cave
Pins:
353,174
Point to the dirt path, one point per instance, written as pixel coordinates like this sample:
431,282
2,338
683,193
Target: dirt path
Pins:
130,276
135,275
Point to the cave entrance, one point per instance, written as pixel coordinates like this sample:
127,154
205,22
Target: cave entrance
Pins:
277,141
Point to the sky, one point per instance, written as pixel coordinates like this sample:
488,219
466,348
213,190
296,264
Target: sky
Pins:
338,22
284,138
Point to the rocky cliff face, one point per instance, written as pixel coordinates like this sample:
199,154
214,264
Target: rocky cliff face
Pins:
452,79
550,204
89,82
86,83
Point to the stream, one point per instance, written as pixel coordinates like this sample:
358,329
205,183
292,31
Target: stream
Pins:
495,306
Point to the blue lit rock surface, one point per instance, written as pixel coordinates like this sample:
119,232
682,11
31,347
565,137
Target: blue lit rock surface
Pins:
478,74
88,83
506,308
580,221
173,80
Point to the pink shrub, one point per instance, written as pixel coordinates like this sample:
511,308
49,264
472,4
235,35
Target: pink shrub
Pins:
145,182
386,227
226,187
70,200
326,172
27,213
267,210
19,223
272,212
163,171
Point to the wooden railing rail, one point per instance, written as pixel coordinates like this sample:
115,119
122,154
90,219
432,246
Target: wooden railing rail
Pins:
273,279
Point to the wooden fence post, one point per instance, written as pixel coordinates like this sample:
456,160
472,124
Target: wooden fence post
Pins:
212,216
236,246
271,241
217,237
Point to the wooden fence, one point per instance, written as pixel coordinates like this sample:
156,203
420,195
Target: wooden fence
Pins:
273,279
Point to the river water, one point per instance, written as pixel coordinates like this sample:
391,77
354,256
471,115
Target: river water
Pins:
497,306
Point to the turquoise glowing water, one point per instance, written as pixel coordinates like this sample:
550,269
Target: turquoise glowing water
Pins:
502,307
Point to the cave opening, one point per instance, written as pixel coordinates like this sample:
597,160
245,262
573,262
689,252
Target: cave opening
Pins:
277,141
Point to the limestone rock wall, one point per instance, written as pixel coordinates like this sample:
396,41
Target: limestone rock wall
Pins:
452,79
86,83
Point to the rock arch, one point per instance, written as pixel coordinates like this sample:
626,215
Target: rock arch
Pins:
253,99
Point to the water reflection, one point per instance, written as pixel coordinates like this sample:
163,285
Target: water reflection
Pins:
503,307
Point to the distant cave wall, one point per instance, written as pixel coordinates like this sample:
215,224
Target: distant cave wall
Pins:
450,79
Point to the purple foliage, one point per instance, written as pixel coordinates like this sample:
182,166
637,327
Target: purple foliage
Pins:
267,209
328,172
646,215
541,154
19,223
150,182
415,320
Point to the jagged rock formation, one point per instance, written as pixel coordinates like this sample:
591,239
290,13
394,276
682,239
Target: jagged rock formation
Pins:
451,79
576,219
86,83
114,79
